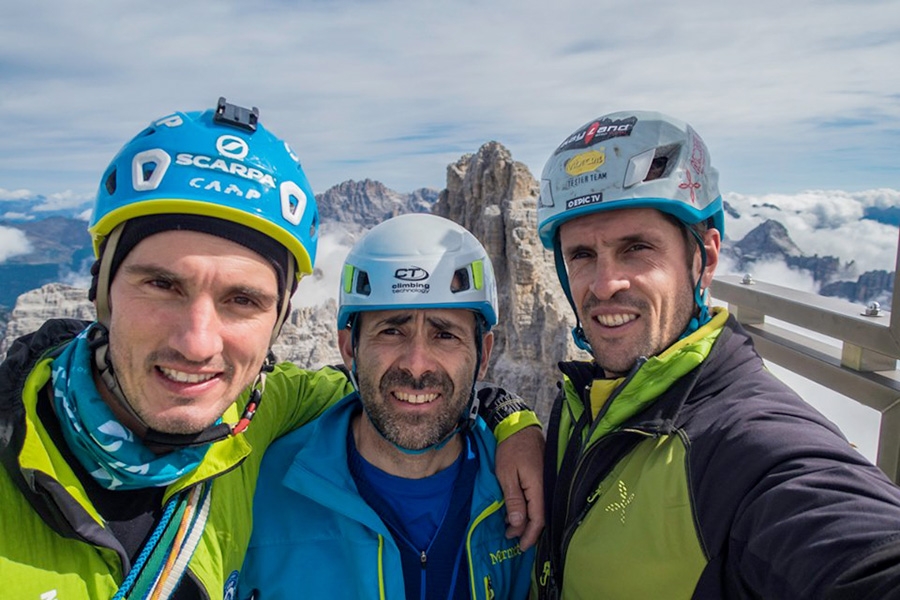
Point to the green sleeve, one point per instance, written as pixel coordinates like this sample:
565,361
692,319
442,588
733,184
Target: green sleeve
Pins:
299,395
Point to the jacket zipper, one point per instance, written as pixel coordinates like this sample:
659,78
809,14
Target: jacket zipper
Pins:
569,531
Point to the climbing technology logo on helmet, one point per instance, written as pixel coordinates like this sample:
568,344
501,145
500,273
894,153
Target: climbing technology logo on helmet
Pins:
411,276
598,131
231,146
586,162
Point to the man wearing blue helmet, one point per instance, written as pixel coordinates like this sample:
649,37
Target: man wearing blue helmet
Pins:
129,462
391,493
676,465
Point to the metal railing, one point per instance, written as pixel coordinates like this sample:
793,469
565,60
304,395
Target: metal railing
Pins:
863,367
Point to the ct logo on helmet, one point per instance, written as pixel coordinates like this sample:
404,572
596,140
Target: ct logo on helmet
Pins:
411,274
232,146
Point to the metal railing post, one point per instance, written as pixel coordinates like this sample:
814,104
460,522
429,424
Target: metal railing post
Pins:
863,367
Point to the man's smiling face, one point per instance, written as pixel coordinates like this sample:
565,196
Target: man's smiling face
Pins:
630,281
192,315
415,370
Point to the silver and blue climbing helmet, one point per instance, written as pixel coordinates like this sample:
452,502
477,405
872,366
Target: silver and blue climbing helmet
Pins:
631,159
418,261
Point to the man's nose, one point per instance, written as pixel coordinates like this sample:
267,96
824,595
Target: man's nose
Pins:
197,332
417,357
608,281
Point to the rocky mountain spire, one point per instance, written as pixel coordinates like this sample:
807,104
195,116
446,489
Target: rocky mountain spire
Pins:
495,198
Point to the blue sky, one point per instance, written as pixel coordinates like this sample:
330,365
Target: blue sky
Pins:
789,96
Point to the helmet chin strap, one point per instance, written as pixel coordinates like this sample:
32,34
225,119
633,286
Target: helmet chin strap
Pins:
466,418
701,315
290,282
103,275
578,331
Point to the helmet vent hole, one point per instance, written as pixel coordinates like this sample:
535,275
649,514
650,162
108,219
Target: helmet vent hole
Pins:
460,282
362,284
110,183
664,160
657,168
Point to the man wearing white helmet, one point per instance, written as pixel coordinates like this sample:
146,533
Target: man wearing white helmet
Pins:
676,465
392,493
129,461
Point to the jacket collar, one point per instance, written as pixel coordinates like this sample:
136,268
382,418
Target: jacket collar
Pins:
730,349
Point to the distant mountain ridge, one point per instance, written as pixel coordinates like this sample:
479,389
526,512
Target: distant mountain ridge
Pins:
60,250
888,216
367,203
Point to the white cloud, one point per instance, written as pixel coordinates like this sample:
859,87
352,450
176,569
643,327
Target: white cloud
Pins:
62,201
79,280
773,272
20,194
12,242
17,216
827,223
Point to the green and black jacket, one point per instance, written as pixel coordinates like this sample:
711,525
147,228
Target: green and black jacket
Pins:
703,476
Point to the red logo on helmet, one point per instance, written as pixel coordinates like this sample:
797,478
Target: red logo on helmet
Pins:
598,131
690,185
591,132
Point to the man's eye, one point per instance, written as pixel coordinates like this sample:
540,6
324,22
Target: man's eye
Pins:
163,284
578,255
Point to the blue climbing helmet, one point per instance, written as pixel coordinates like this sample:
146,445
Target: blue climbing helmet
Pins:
631,159
220,163
218,172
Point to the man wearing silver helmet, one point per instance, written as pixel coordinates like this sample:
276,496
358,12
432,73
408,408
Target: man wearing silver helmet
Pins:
128,455
677,466
392,492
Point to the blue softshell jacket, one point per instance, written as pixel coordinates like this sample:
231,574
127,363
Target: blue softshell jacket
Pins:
315,537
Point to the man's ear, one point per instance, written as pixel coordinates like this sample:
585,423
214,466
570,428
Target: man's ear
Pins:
487,344
345,344
712,242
